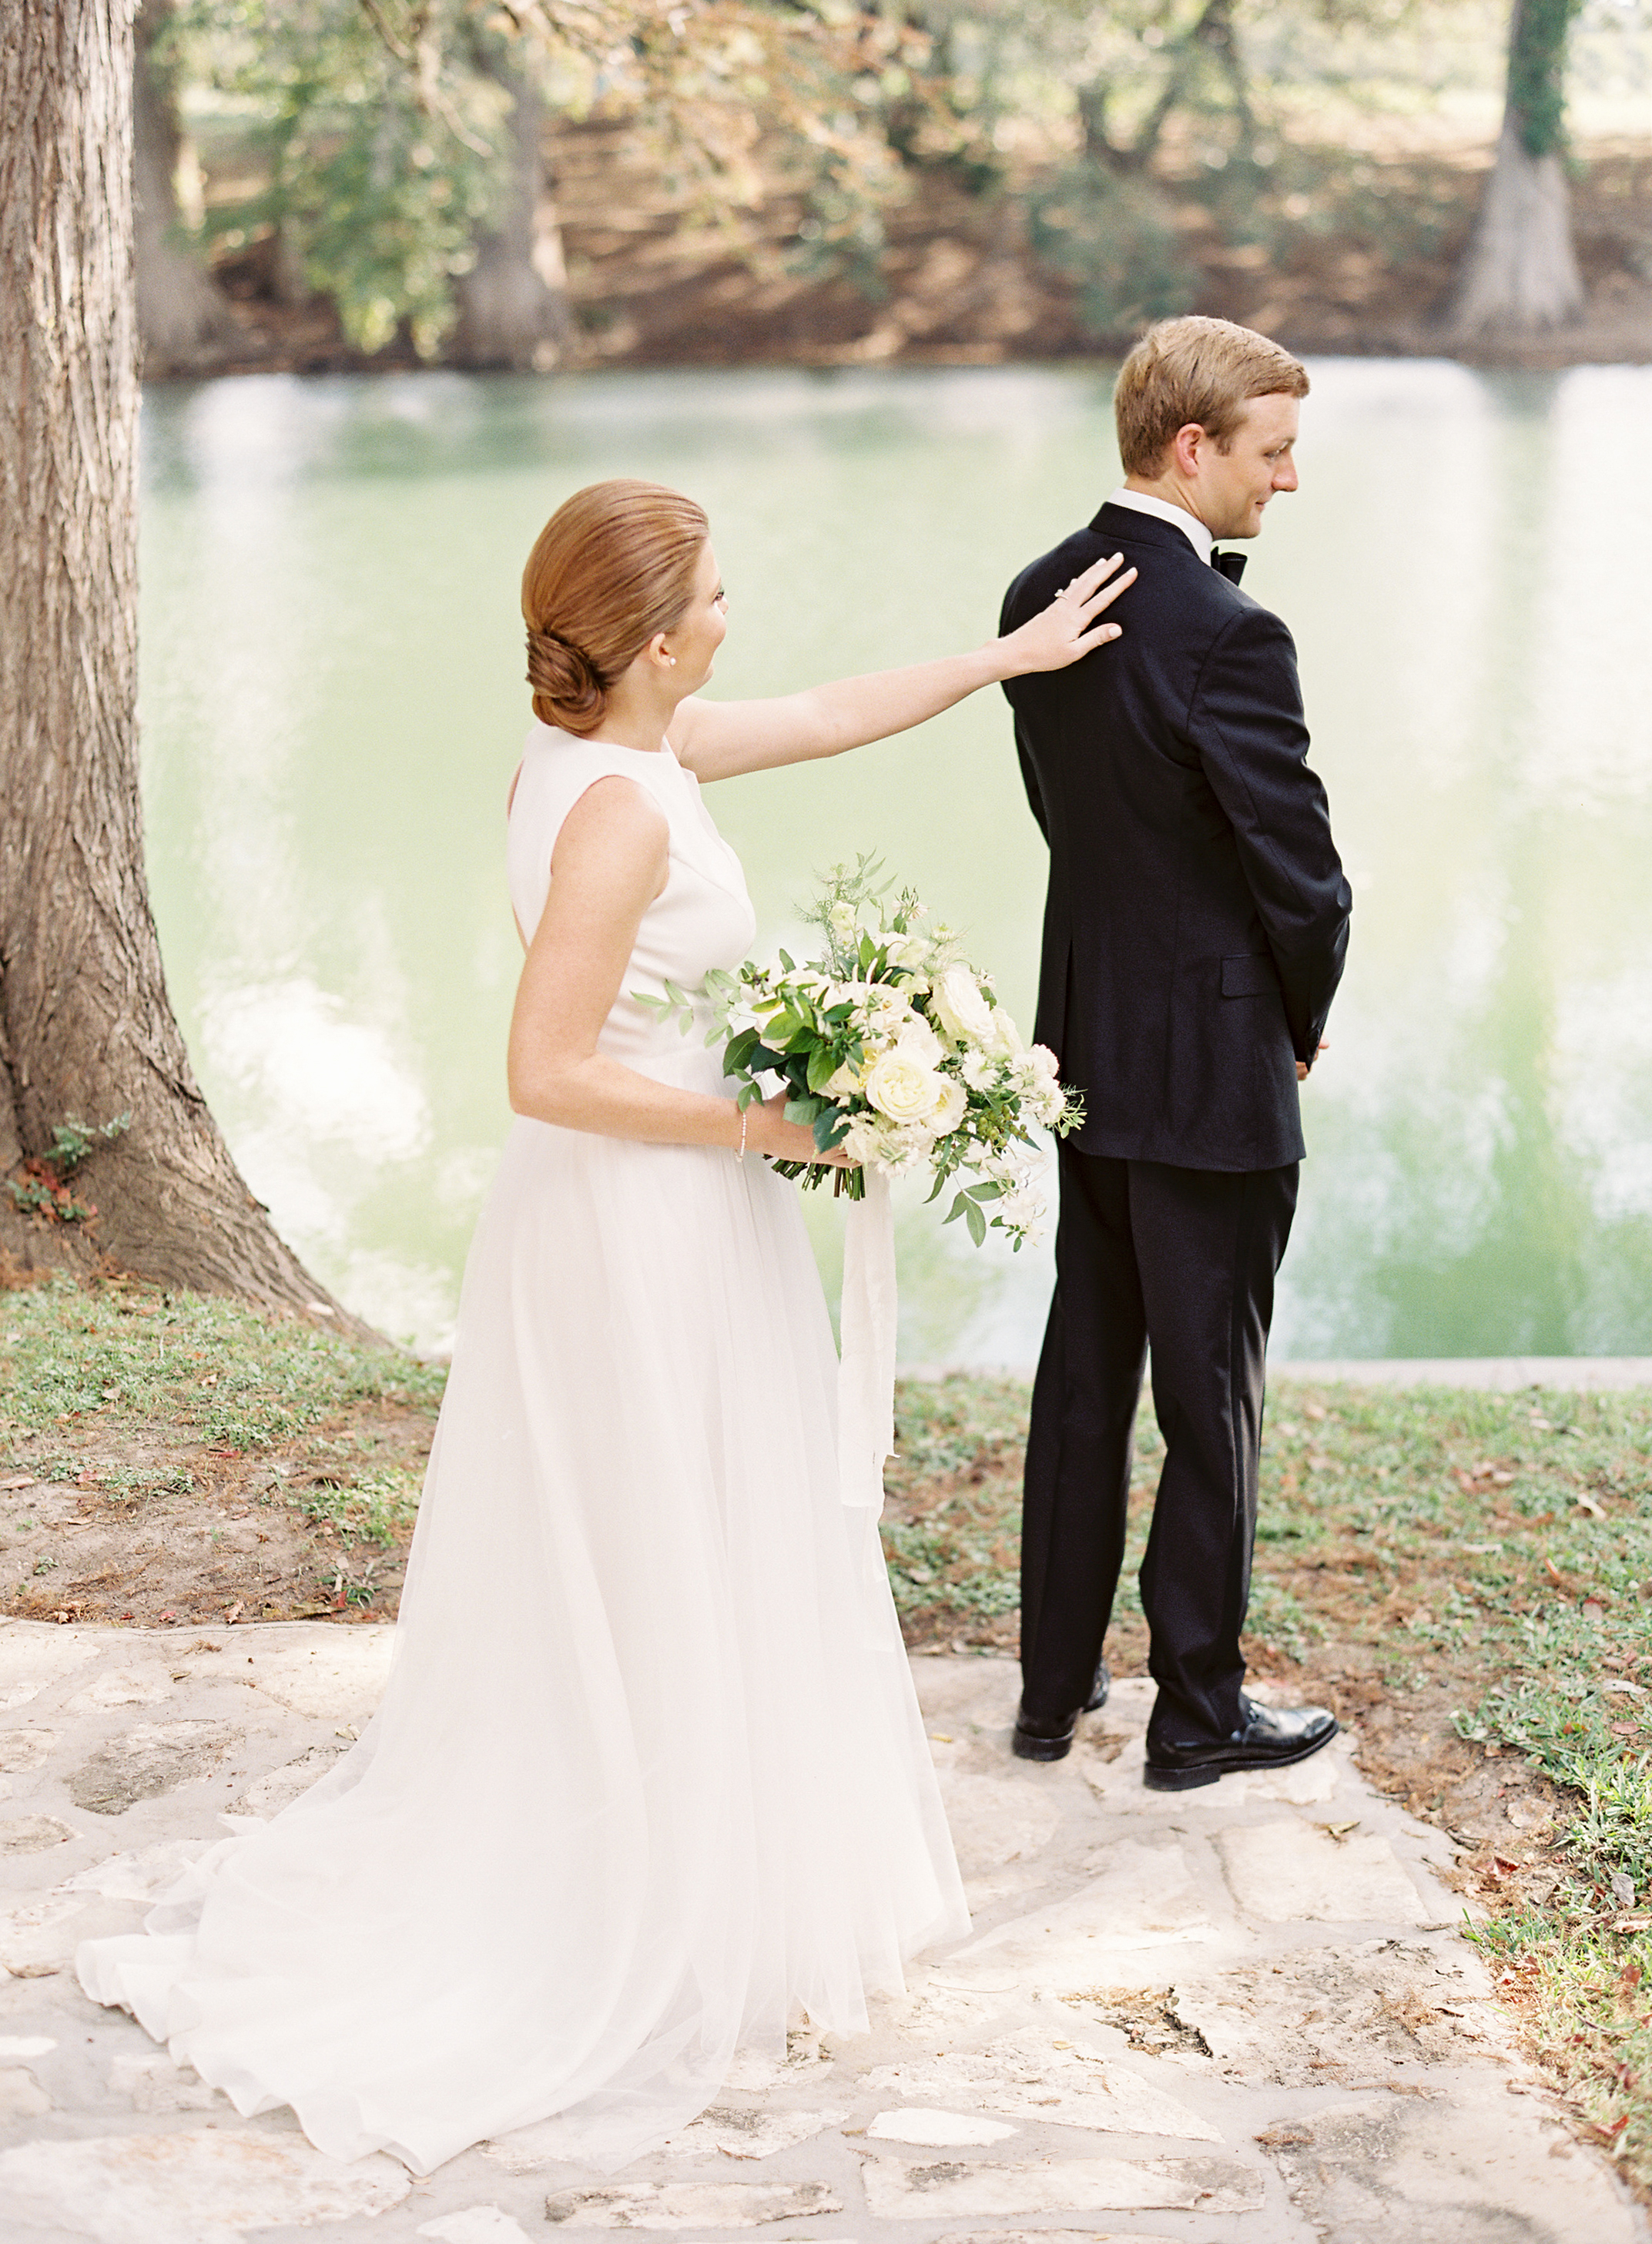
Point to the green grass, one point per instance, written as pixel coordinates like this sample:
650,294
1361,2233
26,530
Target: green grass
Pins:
198,1368
366,1507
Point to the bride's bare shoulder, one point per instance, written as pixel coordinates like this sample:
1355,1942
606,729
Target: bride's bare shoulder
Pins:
614,815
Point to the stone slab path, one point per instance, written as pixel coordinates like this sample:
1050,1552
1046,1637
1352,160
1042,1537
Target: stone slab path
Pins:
1241,2013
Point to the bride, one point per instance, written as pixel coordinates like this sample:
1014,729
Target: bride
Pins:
648,1782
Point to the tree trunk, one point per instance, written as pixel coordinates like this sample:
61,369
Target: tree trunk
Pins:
86,1032
184,318
513,303
1519,274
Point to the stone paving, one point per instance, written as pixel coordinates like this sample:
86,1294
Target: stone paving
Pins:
1245,2012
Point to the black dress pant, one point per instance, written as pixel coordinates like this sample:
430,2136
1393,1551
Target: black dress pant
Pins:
1183,1260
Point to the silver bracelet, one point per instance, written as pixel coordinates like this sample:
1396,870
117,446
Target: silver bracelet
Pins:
745,1117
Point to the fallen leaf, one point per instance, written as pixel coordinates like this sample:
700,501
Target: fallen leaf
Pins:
1587,1503
1287,2133
1502,1479
1552,1570
235,1611
1341,1830
211,1380
18,1480
1314,1410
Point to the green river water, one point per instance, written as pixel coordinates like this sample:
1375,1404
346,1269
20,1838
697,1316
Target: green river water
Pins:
332,709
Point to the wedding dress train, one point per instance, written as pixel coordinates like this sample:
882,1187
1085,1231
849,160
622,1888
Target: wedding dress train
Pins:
648,1780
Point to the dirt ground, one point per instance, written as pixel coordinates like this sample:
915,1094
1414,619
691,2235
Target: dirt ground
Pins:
214,1535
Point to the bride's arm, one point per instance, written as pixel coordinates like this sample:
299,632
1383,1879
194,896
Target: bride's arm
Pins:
718,740
608,865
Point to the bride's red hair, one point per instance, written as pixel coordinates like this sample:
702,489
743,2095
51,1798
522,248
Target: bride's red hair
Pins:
615,566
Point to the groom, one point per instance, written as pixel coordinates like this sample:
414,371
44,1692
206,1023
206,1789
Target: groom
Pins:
1194,935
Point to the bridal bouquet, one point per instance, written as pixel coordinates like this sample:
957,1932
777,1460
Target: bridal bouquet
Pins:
894,1049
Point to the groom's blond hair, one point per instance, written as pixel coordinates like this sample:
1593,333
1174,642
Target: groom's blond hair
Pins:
1195,370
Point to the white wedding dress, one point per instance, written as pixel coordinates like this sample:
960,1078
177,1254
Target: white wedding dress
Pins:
648,1781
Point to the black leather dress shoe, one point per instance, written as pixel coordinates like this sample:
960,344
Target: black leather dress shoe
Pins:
1272,1737
1043,1737
1037,1739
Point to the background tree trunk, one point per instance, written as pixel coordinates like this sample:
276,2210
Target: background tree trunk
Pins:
1521,273
85,1029
184,317
513,303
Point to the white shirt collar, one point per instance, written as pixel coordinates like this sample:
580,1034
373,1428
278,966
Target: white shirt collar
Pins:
1144,503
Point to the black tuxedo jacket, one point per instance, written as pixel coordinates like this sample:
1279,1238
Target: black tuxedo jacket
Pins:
1197,915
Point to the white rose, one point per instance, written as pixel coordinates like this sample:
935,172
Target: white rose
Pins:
958,1006
901,1087
844,1084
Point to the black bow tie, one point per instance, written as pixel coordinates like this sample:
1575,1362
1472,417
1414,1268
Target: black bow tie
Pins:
1232,566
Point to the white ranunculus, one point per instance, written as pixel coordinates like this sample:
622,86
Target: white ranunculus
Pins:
949,1109
1003,1037
961,1010
885,1011
901,1087
905,1150
919,1042
863,1140
1048,1103
1022,1211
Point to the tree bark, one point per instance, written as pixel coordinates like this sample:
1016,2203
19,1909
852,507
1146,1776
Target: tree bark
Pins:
86,1032
1519,274
184,318
513,303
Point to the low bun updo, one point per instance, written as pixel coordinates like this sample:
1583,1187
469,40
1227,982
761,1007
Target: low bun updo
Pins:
615,566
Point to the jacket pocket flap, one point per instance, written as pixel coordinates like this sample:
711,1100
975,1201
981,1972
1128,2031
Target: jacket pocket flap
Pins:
1251,976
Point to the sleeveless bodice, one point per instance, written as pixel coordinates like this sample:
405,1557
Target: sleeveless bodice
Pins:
701,918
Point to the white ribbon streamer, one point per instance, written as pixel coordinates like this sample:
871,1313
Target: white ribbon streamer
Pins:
866,1347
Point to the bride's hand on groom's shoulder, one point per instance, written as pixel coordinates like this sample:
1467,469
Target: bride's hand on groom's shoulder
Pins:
1070,626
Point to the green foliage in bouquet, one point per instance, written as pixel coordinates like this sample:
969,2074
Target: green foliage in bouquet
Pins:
892,1051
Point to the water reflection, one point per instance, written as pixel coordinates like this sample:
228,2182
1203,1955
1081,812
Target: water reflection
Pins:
332,710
